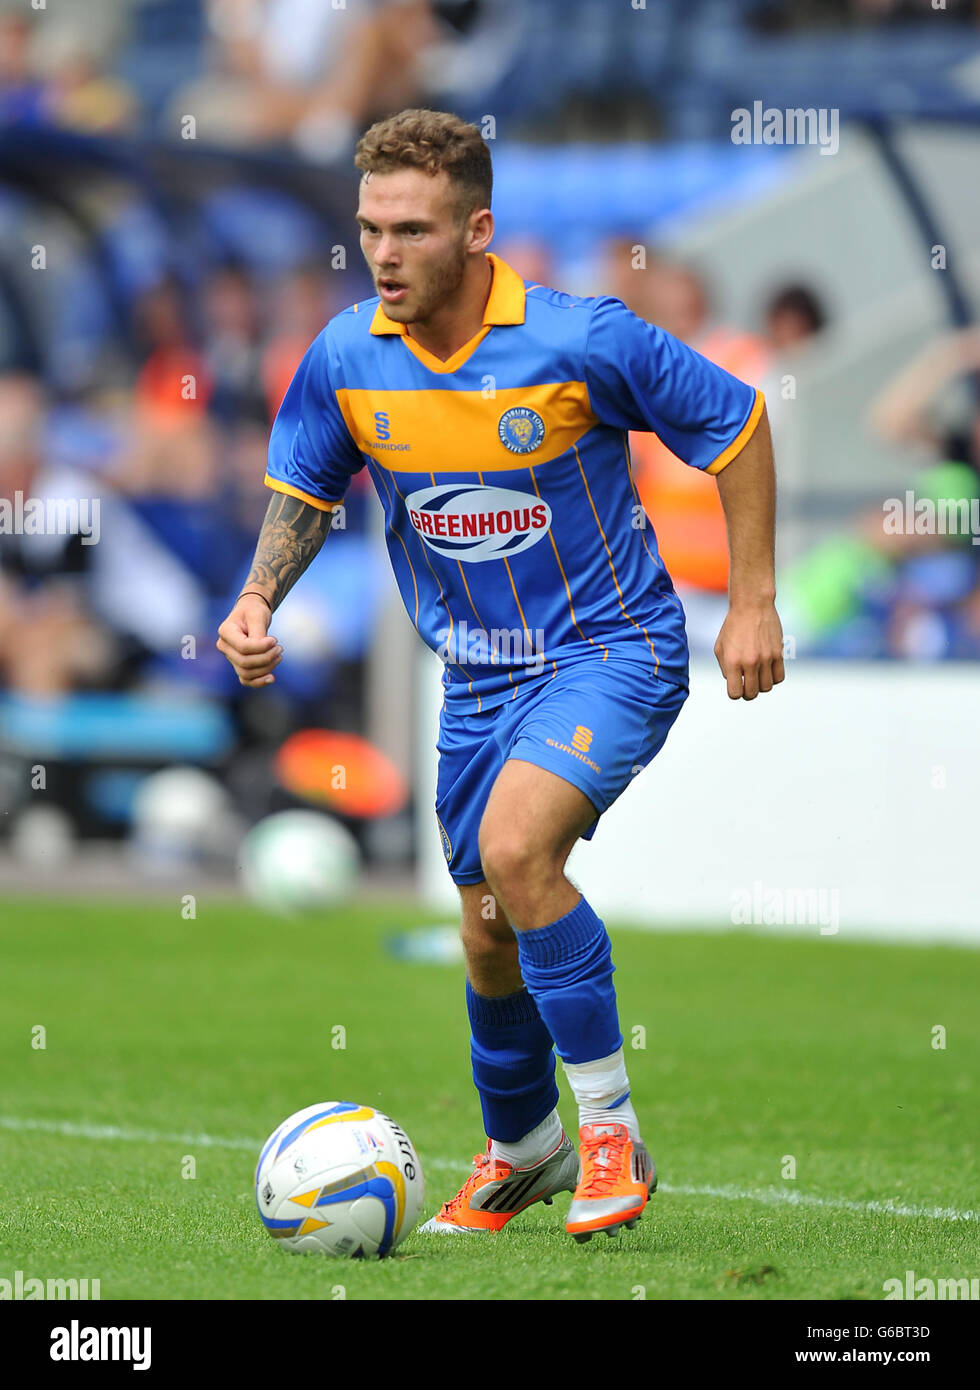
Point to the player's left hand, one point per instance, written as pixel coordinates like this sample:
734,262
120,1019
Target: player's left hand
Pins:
750,650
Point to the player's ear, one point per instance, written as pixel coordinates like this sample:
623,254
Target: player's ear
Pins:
480,230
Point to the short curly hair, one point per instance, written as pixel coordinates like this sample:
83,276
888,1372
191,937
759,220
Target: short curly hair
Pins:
433,141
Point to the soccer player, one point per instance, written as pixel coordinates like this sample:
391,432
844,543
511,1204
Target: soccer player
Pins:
492,416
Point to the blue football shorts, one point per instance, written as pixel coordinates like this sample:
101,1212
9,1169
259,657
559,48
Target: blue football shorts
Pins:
595,723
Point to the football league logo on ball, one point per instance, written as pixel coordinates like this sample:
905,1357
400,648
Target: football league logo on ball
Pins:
521,430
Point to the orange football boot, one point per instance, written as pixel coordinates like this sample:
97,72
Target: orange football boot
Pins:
618,1178
495,1191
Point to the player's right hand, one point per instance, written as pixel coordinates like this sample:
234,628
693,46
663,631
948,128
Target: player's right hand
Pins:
243,638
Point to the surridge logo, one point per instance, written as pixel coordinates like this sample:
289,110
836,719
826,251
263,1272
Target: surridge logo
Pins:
382,430
474,522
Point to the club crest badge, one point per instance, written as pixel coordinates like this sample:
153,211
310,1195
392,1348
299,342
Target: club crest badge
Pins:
521,430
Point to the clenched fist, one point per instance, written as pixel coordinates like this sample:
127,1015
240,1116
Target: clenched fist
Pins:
243,638
749,651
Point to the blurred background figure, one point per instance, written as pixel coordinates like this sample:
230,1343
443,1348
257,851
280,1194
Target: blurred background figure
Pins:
530,256
53,68
172,446
904,580
232,333
21,90
682,503
793,316
54,643
301,305
932,404
313,73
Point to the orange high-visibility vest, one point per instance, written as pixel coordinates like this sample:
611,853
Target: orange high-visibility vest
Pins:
681,502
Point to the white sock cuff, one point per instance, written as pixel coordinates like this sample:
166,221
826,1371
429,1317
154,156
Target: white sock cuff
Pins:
534,1146
598,1083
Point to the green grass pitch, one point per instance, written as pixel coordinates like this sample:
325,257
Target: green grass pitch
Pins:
159,1028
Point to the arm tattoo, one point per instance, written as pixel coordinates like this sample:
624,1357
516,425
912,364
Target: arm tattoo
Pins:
292,534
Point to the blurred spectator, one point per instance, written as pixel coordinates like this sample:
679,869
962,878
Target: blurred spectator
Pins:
21,90
232,345
300,308
52,642
315,73
890,586
234,102
79,96
906,410
675,297
687,312
375,69
682,503
529,256
398,54
55,69
907,583
173,445
630,272
793,316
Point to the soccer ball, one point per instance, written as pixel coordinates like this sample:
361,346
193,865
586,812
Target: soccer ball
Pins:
340,1179
296,861
182,815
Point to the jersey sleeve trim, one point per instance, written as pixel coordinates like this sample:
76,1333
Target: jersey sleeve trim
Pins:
741,439
321,505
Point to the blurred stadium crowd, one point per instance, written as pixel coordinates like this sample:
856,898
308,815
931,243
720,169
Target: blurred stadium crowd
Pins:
311,73
145,366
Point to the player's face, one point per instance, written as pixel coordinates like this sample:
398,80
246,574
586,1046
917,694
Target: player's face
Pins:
414,243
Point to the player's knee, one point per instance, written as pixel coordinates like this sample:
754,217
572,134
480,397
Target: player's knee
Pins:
510,862
487,943
481,911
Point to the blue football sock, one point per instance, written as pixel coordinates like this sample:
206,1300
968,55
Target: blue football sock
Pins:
567,967
513,1063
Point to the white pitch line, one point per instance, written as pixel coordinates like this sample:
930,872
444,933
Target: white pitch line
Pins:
778,1196
769,1196
130,1136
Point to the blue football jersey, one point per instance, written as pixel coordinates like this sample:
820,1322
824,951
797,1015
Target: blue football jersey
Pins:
513,524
